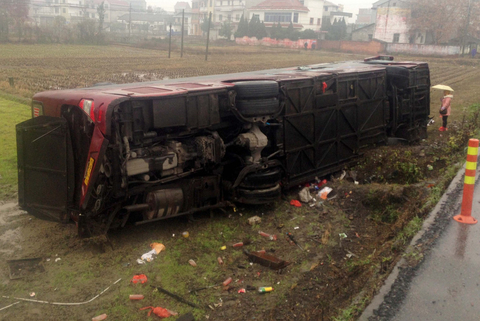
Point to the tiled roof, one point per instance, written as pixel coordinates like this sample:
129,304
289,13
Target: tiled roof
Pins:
280,5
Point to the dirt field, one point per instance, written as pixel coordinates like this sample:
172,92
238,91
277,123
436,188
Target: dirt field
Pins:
349,243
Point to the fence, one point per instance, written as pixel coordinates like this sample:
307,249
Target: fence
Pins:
285,43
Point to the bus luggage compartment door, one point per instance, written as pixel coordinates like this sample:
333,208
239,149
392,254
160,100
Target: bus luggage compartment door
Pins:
45,167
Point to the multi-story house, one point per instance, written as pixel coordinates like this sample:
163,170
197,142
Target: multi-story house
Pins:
272,12
392,21
43,12
183,9
334,12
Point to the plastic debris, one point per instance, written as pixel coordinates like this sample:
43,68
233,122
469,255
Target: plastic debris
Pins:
219,260
140,261
149,256
57,259
430,167
323,194
254,220
192,262
99,317
295,203
158,247
136,297
304,195
223,248
265,289
159,312
270,236
242,291
296,228
32,294
227,281
185,234
239,244
139,278
342,235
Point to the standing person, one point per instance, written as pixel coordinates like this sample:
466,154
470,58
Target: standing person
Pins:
446,104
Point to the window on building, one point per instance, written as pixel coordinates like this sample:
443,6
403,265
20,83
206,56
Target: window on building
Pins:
295,17
325,9
319,21
237,17
370,36
57,10
106,16
64,10
394,4
311,21
220,17
255,16
396,37
278,17
302,2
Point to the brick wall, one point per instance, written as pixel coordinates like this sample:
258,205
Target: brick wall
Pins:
373,47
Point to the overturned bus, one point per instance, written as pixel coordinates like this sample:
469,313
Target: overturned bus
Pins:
156,150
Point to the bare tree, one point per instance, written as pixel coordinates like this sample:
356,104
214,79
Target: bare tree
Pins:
442,18
13,12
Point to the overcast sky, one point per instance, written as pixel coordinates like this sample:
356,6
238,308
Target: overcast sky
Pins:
351,6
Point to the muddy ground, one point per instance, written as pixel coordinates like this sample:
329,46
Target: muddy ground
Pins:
349,243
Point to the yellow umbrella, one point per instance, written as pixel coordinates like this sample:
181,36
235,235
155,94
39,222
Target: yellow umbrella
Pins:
443,87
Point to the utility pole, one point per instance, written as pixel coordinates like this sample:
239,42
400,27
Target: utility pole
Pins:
183,21
208,35
129,21
170,41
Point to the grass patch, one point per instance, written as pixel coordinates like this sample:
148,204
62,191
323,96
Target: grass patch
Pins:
11,113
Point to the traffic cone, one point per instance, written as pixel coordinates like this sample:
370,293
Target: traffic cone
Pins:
469,184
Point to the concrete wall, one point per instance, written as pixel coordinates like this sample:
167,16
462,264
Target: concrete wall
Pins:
372,47
423,50
285,43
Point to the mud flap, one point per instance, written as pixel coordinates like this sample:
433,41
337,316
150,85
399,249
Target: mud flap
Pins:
45,167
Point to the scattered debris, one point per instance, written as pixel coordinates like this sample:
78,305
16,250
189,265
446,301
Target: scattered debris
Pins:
267,260
342,235
99,317
32,294
60,303
292,238
160,312
139,278
185,234
270,236
295,203
192,262
265,289
204,288
136,297
243,243
323,194
242,291
176,297
304,195
430,167
140,261
227,281
219,260
254,220
296,227
57,259
223,248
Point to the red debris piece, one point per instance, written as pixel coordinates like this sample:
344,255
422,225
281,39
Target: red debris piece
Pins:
241,291
139,278
160,312
295,203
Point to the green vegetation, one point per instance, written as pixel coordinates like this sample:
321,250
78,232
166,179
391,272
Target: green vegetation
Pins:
11,113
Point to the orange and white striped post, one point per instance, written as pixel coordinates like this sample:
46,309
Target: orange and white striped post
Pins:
469,184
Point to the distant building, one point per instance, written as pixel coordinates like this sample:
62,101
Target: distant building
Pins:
138,5
334,12
364,33
366,17
392,21
146,22
43,12
272,12
183,8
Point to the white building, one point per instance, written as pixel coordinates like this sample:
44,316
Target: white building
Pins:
43,12
392,21
272,12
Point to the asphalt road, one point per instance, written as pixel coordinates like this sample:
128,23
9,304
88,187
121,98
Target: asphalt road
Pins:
445,283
